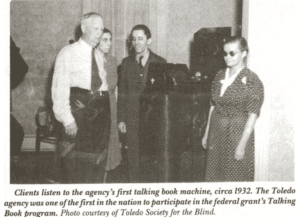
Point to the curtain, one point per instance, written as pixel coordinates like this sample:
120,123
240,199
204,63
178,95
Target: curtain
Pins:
121,15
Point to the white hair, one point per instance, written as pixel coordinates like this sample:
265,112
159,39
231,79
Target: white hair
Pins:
87,16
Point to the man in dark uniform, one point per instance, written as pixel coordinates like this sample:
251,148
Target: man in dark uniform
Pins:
132,82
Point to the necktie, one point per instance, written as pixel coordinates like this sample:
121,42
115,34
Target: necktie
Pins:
140,62
95,80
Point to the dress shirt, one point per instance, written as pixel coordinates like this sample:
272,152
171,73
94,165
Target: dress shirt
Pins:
73,69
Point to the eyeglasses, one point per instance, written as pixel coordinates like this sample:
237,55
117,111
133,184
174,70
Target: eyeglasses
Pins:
231,53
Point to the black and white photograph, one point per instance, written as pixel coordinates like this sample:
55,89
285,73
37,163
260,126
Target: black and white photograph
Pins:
150,108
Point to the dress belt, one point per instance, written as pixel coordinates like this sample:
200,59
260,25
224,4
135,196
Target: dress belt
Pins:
85,91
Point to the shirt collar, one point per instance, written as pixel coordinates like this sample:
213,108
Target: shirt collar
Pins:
85,45
147,55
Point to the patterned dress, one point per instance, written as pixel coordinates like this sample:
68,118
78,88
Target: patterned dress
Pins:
245,95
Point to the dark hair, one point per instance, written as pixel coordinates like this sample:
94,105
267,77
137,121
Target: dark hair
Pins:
105,30
242,42
142,27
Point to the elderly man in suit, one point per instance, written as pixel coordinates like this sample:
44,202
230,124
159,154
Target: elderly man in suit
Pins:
81,104
132,82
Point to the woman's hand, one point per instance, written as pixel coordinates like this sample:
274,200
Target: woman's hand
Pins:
239,152
204,141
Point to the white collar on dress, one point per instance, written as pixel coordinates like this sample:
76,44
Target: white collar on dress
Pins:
227,81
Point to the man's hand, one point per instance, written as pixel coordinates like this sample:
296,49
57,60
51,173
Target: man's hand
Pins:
71,129
122,127
79,104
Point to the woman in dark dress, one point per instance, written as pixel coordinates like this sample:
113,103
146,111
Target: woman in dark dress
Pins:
110,67
236,98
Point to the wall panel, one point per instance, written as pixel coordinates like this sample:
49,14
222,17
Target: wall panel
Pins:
40,29
275,128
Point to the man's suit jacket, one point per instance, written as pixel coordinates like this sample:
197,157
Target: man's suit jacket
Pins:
132,82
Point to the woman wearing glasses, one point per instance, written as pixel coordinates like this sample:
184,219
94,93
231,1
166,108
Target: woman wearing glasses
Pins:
236,98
